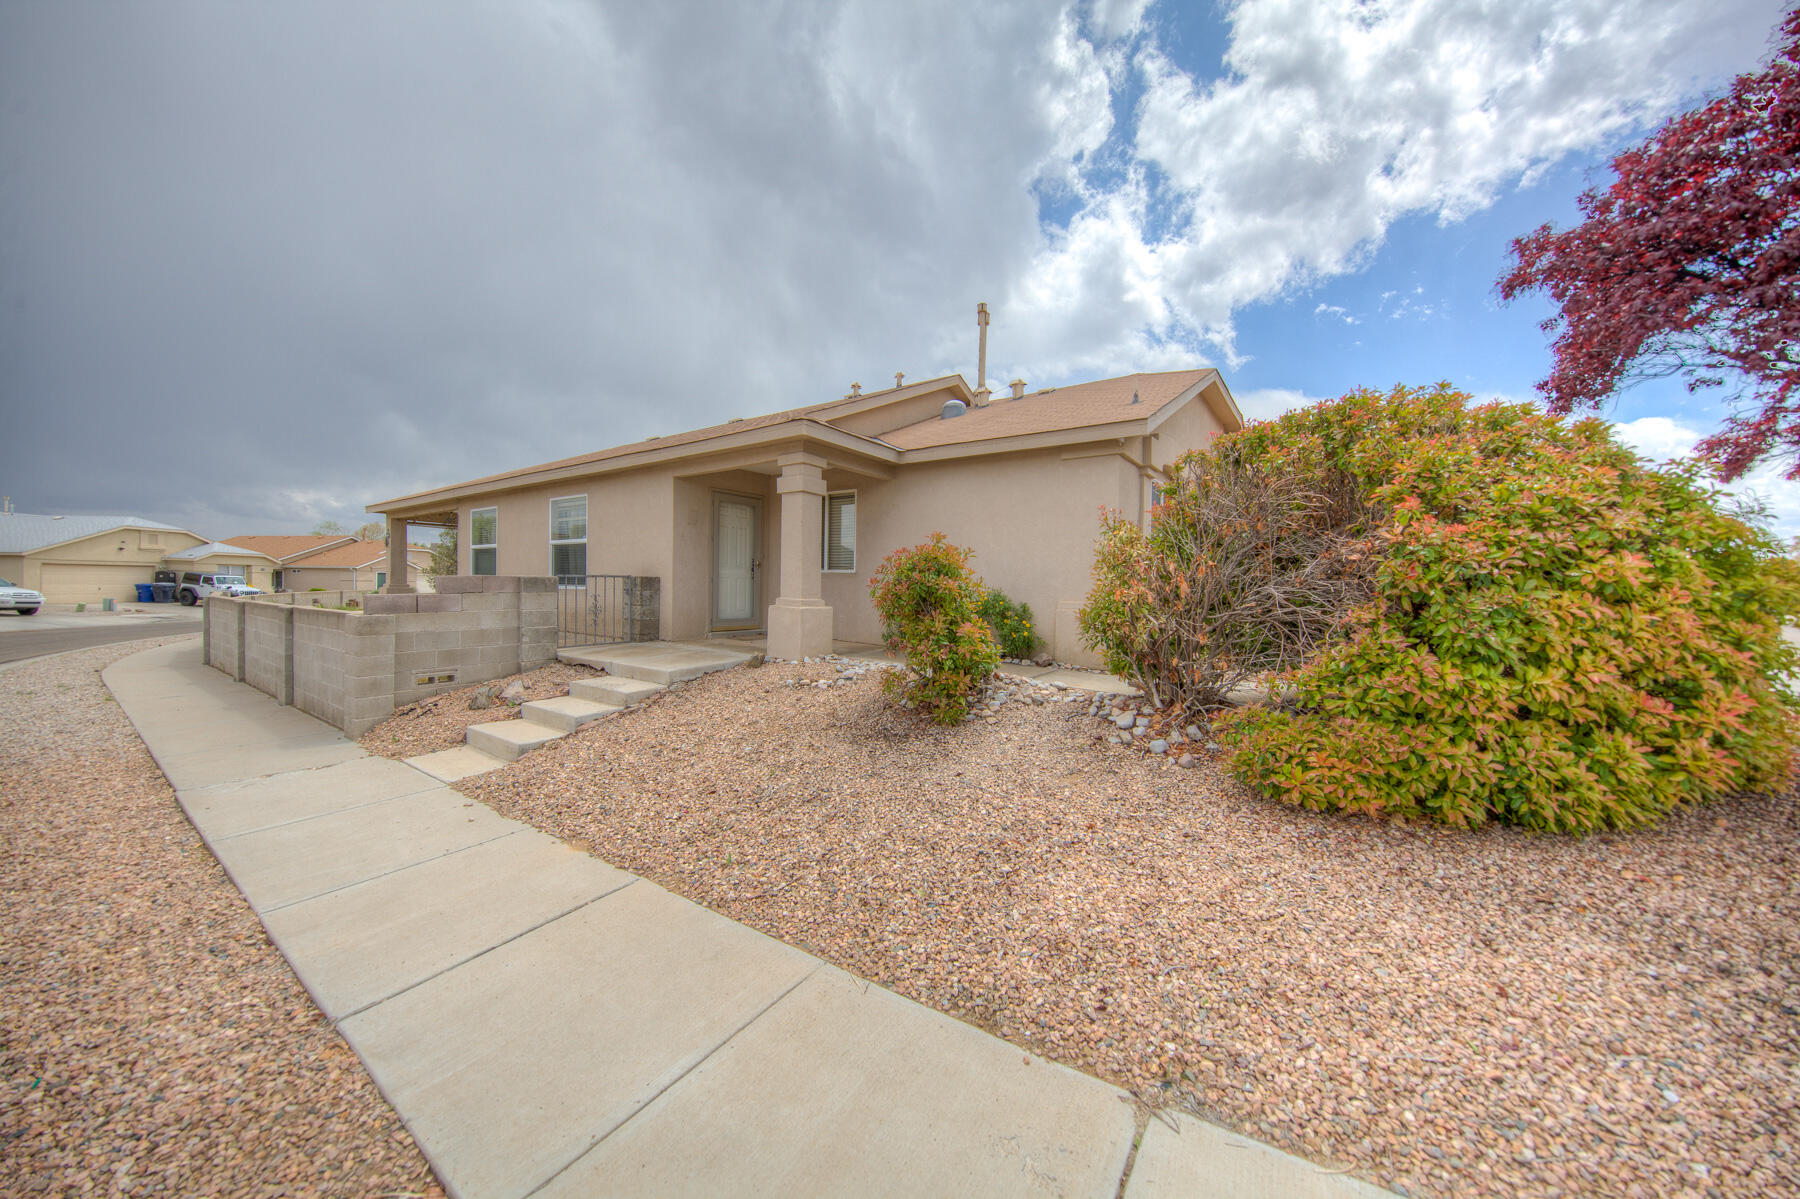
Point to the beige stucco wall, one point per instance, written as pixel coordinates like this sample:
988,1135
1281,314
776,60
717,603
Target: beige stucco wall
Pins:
629,528
104,566
689,611
12,569
300,577
1031,520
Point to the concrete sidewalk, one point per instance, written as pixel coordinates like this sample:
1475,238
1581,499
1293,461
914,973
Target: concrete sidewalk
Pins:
547,1025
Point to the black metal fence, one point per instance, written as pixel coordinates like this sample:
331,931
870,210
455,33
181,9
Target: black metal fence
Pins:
607,609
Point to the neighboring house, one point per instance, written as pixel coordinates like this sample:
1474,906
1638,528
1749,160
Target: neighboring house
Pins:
357,566
86,559
775,523
287,549
225,558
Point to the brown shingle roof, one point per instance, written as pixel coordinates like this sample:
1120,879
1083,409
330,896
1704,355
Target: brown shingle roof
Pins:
282,546
1055,409
357,553
815,411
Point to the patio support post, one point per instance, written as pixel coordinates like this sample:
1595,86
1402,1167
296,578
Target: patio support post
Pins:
397,583
800,620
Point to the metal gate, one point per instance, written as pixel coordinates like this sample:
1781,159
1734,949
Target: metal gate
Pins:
606,609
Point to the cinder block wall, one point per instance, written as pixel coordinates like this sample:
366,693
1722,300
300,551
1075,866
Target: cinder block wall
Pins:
353,669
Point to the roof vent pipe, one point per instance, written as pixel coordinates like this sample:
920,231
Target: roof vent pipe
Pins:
856,389
1018,388
981,388
1134,397
899,379
953,408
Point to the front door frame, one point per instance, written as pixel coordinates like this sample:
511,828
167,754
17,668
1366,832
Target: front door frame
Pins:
755,620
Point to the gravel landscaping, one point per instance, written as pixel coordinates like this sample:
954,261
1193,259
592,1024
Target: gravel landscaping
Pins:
438,723
1445,1013
153,1042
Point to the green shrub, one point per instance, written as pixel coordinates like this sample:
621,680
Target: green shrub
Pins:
1012,625
1560,636
930,603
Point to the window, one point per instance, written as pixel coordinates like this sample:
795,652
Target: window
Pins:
484,541
568,538
840,531
275,580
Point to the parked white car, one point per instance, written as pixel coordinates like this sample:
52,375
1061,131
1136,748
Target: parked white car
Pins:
22,600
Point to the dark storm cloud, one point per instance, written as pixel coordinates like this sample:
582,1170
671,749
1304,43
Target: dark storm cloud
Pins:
266,264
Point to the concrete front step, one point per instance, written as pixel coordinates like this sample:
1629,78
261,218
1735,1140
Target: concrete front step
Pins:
566,713
622,693
508,739
655,661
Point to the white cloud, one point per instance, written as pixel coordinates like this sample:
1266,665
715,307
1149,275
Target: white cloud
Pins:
1267,403
1338,117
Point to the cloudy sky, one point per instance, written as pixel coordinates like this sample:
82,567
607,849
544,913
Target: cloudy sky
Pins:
262,264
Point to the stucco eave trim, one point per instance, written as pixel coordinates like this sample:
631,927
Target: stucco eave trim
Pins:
804,428
1049,439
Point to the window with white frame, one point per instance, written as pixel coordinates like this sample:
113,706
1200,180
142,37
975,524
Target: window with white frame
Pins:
568,539
840,531
484,541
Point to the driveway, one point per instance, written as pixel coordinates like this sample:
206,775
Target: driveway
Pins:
53,632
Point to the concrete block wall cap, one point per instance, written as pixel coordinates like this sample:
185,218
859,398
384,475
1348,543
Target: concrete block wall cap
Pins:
499,582
537,583
428,602
379,604
461,584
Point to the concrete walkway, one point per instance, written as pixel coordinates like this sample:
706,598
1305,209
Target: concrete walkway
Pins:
547,1025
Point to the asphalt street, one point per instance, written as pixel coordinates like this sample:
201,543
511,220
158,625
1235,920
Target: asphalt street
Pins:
57,632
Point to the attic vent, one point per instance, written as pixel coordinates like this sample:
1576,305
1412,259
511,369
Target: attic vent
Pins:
953,408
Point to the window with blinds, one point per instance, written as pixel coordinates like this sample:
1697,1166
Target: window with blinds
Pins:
484,541
840,531
568,540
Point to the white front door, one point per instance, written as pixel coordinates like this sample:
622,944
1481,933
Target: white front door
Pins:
737,565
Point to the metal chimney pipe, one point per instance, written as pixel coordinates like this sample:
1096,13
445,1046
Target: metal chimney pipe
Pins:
981,319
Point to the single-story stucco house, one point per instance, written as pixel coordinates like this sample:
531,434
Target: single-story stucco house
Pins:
286,548
85,559
775,523
354,566
226,558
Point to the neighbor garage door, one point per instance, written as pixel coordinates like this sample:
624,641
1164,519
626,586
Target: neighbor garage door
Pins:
72,583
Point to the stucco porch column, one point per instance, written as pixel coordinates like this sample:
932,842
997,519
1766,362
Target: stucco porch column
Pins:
396,564
800,621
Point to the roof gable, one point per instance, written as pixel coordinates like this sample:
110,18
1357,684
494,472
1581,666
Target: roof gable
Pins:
354,556
24,532
213,549
285,548
1055,409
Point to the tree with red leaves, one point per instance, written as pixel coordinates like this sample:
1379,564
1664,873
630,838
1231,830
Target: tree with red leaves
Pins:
1690,262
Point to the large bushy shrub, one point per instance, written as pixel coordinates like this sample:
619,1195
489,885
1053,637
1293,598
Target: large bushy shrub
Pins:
1245,570
1561,636
930,604
1013,629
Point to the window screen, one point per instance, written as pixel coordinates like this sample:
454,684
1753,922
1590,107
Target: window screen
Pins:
484,541
840,531
568,537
